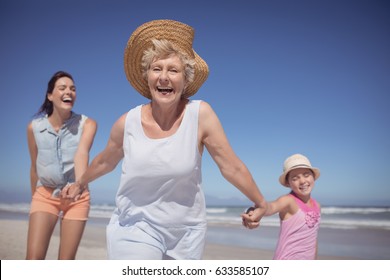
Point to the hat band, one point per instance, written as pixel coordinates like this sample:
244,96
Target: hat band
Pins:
301,165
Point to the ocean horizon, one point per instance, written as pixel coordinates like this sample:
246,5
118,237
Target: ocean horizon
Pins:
341,217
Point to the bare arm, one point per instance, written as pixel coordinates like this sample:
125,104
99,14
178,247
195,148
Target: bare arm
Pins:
81,158
281,205
232,168
32,147
103,163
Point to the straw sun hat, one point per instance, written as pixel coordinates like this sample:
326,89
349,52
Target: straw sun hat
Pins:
294,162
179,34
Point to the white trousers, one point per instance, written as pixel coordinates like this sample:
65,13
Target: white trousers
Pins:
143,241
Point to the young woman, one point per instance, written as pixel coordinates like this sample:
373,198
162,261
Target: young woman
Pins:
59,142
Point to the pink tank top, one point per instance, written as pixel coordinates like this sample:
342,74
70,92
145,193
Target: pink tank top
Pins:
298,234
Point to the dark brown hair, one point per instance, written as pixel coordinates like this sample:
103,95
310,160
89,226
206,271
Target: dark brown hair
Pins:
47,106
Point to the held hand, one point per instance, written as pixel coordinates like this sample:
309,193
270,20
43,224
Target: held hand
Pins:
72,191
251,219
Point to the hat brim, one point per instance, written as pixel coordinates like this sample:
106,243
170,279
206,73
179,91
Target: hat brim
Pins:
180,35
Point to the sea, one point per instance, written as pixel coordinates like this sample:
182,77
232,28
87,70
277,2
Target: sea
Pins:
347,232
331,216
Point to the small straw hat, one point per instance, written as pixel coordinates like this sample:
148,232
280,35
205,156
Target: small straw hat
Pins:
294,162
179,34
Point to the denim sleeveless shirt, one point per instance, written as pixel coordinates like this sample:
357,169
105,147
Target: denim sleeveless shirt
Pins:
56,150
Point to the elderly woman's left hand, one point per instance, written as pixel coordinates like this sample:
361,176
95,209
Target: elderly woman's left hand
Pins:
72,191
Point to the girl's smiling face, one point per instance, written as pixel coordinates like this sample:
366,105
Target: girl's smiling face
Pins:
301,182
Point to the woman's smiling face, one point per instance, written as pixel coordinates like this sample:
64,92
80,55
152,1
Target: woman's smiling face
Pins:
166,78
64,94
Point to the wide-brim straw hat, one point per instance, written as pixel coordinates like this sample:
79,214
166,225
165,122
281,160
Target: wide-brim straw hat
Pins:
180,35
294,162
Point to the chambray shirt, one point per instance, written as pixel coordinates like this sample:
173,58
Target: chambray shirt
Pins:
56,150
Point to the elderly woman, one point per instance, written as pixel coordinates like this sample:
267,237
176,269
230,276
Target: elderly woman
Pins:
160,203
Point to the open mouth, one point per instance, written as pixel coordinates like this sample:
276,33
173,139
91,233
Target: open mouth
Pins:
165,90
67,100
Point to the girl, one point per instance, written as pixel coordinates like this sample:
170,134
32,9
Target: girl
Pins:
299,213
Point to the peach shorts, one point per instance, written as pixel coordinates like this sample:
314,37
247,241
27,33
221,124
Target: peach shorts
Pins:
42,201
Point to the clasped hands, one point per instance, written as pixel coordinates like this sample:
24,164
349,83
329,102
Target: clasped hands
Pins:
252,216
72,191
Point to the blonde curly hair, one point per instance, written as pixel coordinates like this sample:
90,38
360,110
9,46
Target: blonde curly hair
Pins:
162,49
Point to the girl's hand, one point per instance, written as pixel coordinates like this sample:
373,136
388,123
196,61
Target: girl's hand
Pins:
251,217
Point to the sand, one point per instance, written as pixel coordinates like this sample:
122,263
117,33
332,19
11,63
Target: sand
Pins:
13,236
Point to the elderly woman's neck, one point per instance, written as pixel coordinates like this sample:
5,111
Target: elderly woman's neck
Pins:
167,115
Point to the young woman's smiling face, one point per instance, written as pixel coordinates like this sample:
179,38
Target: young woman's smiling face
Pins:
63,95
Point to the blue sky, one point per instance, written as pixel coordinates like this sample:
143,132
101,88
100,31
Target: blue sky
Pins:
286,77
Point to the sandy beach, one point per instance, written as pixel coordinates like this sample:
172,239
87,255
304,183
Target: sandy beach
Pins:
13,236
225,240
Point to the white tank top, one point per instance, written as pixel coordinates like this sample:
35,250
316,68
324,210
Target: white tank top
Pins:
161,178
